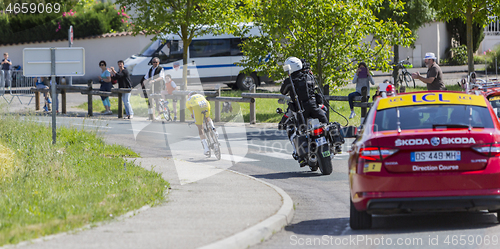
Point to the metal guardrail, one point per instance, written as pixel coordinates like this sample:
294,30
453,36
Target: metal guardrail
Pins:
360,101
16,85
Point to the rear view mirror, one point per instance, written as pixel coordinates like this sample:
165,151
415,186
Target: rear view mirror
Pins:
279,110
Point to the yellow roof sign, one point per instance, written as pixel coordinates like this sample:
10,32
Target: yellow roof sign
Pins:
431,98
494,98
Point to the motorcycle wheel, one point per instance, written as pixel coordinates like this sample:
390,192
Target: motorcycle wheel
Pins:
325,163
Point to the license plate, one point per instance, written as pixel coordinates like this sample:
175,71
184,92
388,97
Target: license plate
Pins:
320,141
433,156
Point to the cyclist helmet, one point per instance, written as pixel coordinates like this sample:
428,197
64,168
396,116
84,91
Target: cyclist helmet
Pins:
191,93
295,64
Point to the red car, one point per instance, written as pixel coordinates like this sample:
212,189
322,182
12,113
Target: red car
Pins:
425,152
493,96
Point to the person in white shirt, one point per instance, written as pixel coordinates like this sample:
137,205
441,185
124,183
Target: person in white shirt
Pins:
154,78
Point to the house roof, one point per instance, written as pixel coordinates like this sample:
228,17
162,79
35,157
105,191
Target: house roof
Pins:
108,35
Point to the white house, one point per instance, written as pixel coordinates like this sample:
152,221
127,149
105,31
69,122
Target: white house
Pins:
491,35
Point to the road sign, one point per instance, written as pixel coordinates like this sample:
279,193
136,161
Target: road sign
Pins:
69,62
70,35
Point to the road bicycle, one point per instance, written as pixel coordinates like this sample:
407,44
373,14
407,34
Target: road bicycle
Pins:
405,76
163,108
212,139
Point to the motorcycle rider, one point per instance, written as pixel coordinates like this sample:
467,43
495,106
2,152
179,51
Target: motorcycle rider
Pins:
304,86
303,82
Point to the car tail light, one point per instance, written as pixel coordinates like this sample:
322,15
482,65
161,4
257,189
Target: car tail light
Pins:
317,132
376,153
386,152
490,150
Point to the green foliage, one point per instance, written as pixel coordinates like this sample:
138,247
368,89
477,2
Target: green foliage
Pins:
459,55
88,19
413,13
332,35
77,181
458,30
186,18
470,11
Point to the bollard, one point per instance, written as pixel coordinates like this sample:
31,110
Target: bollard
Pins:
326,92
217,105
364,99
89,99
37,101
253,116
63,94
120,105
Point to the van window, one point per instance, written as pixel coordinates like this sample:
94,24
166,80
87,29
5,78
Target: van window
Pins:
209,48
425,117
150,49
170,52
236,47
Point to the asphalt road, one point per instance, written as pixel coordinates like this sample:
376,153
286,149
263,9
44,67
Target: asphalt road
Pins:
321,202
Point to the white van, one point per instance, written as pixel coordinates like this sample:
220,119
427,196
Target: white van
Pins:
211,59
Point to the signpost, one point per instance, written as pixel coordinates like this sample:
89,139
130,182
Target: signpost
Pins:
45,62
70,39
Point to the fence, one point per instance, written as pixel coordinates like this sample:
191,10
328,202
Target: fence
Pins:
14,83
494,27
360,101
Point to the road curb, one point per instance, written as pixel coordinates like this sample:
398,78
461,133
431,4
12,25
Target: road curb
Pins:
263,230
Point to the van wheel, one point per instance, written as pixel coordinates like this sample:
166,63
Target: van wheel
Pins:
245,82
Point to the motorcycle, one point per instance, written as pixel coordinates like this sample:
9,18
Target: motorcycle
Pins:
316,144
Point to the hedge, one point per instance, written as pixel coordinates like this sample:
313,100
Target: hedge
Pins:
102,18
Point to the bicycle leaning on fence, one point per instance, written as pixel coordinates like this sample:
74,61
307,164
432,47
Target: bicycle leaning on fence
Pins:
162,107
404,76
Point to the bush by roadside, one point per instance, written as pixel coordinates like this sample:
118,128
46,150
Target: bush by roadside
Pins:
55,188
87,17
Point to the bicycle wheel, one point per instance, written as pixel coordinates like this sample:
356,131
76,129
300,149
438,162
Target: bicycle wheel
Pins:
165,112
402,81
215,145
409,79
209,140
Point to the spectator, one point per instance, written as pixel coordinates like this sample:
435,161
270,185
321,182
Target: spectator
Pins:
6,70
170,86
382,87
154,78
362,78
124,81
434,78
106,85
41,85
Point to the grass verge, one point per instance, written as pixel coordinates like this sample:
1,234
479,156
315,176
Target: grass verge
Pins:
265,108
55,188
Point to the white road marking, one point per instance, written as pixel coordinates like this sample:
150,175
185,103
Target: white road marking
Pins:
236,158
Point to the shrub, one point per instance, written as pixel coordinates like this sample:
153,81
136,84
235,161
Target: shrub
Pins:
491,57
87,20
459,55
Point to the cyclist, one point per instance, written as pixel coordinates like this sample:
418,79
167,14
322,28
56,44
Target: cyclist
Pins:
170,86
196,103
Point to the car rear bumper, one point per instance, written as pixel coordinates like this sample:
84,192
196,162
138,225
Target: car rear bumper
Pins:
433,204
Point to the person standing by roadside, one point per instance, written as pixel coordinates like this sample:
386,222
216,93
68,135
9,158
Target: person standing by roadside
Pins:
362,78
434,80
6,70
106,85
170,86
154,78
124,81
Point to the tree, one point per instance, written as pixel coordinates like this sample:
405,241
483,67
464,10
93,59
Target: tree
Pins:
186,18
333,35
458,30
470,11
412,13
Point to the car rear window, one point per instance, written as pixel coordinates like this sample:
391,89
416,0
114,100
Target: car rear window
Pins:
430,116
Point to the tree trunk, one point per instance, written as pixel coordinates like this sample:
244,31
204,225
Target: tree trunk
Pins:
395,69
185,47
470,53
